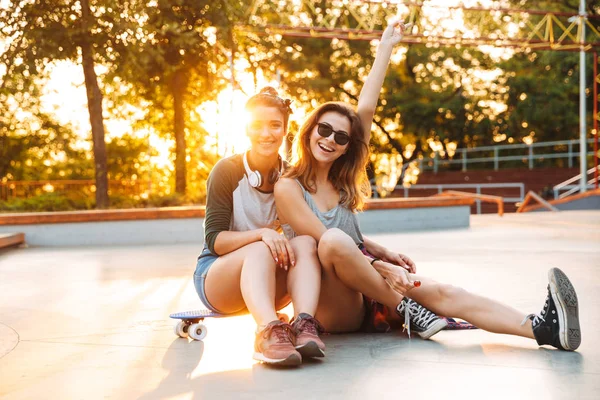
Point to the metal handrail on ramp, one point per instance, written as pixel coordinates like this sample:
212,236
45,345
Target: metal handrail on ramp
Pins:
482,197
571,189
534,196
477,186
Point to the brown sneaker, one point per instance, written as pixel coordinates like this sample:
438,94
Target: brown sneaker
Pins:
275,345
307,330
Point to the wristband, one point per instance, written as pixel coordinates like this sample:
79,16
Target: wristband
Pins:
373,261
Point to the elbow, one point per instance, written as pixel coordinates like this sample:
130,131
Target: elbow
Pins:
367,108
366,112
211,242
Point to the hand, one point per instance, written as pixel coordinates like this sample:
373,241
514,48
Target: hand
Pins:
280,247
394,32
398,279
400,260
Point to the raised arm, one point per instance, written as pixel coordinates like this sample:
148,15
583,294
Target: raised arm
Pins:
369,95
293,210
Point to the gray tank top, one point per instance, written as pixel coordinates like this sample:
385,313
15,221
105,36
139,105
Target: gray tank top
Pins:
338,217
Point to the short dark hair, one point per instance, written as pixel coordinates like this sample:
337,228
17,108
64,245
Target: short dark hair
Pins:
268,97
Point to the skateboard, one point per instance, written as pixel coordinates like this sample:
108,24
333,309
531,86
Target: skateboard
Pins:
191,322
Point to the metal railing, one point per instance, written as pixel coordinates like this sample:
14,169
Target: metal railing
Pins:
477,186
486,198
532,196
571,188
568,149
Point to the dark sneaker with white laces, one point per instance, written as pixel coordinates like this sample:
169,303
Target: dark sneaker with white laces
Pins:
558,323
419,319
275,345
307,330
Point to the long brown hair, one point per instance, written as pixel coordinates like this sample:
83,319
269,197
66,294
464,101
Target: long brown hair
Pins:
348,174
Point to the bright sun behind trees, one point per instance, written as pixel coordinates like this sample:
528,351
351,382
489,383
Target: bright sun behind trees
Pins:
141,98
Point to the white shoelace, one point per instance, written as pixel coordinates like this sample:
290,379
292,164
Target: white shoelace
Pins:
419,314
406,324
535,319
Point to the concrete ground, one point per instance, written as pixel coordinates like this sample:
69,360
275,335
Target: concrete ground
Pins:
92,323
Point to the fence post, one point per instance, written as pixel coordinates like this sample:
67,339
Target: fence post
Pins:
530,157
495,159
374,192
405,191
464,160
522,191
570,154
435,163
478,191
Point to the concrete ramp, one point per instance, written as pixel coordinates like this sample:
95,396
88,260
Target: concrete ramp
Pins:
11,239
589,200
93,323
186,224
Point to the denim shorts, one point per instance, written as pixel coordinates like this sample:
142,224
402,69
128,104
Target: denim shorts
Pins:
205,261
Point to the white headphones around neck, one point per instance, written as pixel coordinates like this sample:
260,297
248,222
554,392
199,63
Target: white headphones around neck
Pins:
255,179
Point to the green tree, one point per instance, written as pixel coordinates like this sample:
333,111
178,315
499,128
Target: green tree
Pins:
31,140
39,32
542,100
540,89
429,94
169,54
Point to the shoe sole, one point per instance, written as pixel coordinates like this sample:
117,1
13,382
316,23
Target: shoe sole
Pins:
433,329
292,360
567,306
310,349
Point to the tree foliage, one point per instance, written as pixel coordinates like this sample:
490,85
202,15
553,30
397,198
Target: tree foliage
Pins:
165,58
38,32
169,53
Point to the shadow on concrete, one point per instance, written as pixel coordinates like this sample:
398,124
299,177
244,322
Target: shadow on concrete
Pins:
355,362
180,360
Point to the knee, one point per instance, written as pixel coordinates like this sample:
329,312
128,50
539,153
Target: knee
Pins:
450,294
305,252
304,245
260,251
334,244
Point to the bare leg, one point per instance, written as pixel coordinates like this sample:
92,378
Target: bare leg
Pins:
341,309
346,276
304,279
485,313
247,278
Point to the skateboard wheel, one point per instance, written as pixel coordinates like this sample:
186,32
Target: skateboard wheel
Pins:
181,329
283,317
197,331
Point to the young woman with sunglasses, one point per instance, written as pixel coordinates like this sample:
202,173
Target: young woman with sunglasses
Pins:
246,264
320,197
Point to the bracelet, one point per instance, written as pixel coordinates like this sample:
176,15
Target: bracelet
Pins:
373,261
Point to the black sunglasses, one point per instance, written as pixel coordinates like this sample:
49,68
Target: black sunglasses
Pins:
325,130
